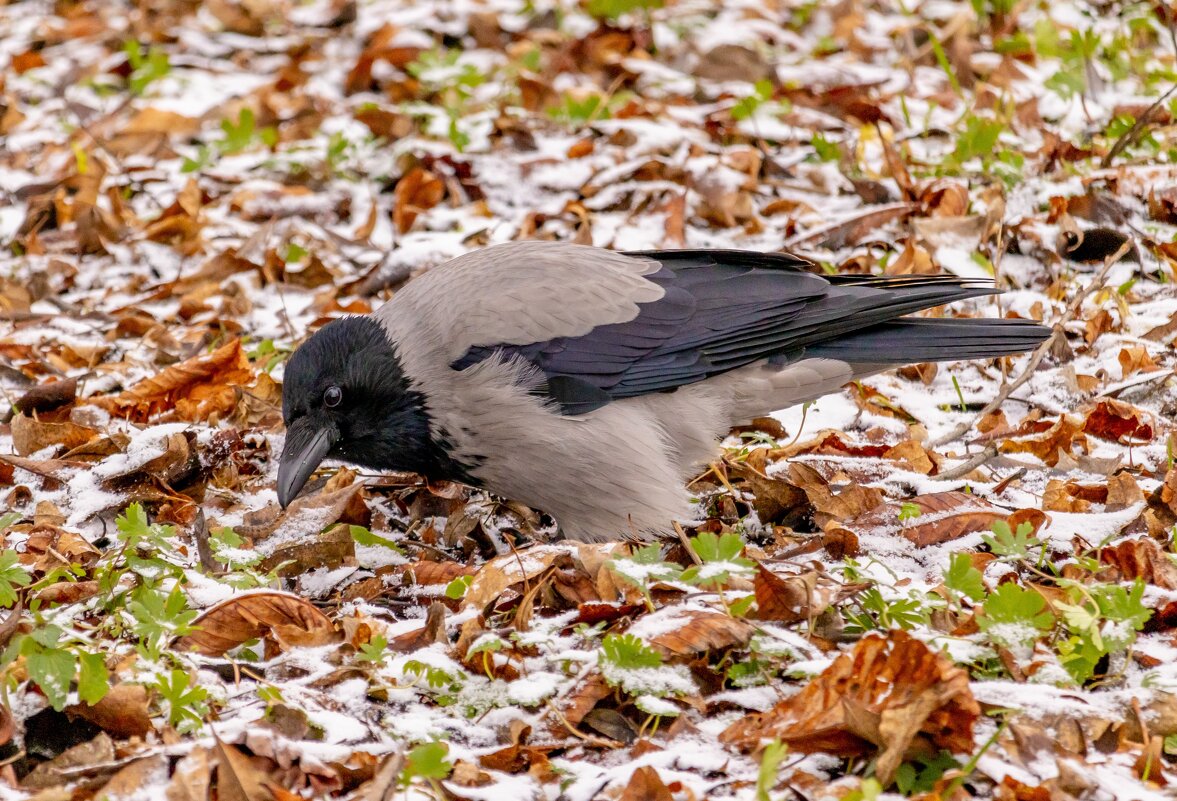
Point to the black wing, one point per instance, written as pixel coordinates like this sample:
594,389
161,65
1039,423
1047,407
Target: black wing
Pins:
722,309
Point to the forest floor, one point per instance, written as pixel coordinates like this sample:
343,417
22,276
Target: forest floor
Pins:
944,582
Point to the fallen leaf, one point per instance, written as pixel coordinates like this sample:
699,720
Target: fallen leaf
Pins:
646,785
1138,559
30,435
123,712
46,397
289,619
699,631
1118,422
194,389
191,777
149,771
791,599
432,632
70,764
419,190
891,692
1043,439
237,778
939,517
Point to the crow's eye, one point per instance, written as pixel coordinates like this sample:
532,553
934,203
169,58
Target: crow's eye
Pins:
332,397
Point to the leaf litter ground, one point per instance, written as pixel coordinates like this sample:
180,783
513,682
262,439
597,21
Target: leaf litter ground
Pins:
948,581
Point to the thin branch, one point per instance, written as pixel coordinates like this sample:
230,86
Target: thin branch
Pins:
1039,354
963,469
1132,134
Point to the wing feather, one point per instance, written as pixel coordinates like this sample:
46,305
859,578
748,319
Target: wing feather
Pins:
601,325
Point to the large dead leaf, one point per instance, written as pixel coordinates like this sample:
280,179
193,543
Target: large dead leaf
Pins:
938,517
93,757
892,693
195,389
791,599
646,785
1139,559
1049,441
122,712
418,191
1119,422
497,575
832,505
698,631
191,777
289,619
30,435
237,778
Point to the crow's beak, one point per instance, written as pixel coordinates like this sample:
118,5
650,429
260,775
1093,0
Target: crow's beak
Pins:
306,447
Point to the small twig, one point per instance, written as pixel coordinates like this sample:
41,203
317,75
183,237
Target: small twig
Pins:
1132,134
589,739
203,550
962,470
1001,486
682,536
1039,354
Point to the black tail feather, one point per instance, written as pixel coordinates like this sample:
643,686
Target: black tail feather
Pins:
933,339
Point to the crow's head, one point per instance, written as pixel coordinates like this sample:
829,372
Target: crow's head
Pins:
345,395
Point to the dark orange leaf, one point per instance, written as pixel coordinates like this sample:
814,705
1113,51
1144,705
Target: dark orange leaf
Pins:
892,693
291,620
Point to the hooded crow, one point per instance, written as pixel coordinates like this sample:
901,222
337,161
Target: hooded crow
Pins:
590,383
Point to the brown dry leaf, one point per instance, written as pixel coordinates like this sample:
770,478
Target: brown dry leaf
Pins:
699,631
790,599
71,763
239,16
437,572
498,574
1168,490
1096,325
151,770
194,389
646,785
20,63
123,712
890,692
570,709
291,620
49,547
237,778
432,632
54,471
1068,496
945,198
177,459
1118,422
191,777
914,456
830,507
331,549
30,435
1136,359
1123,492
45,397
1044,439
1138,559
419,190
912,260
1163,332
943,516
